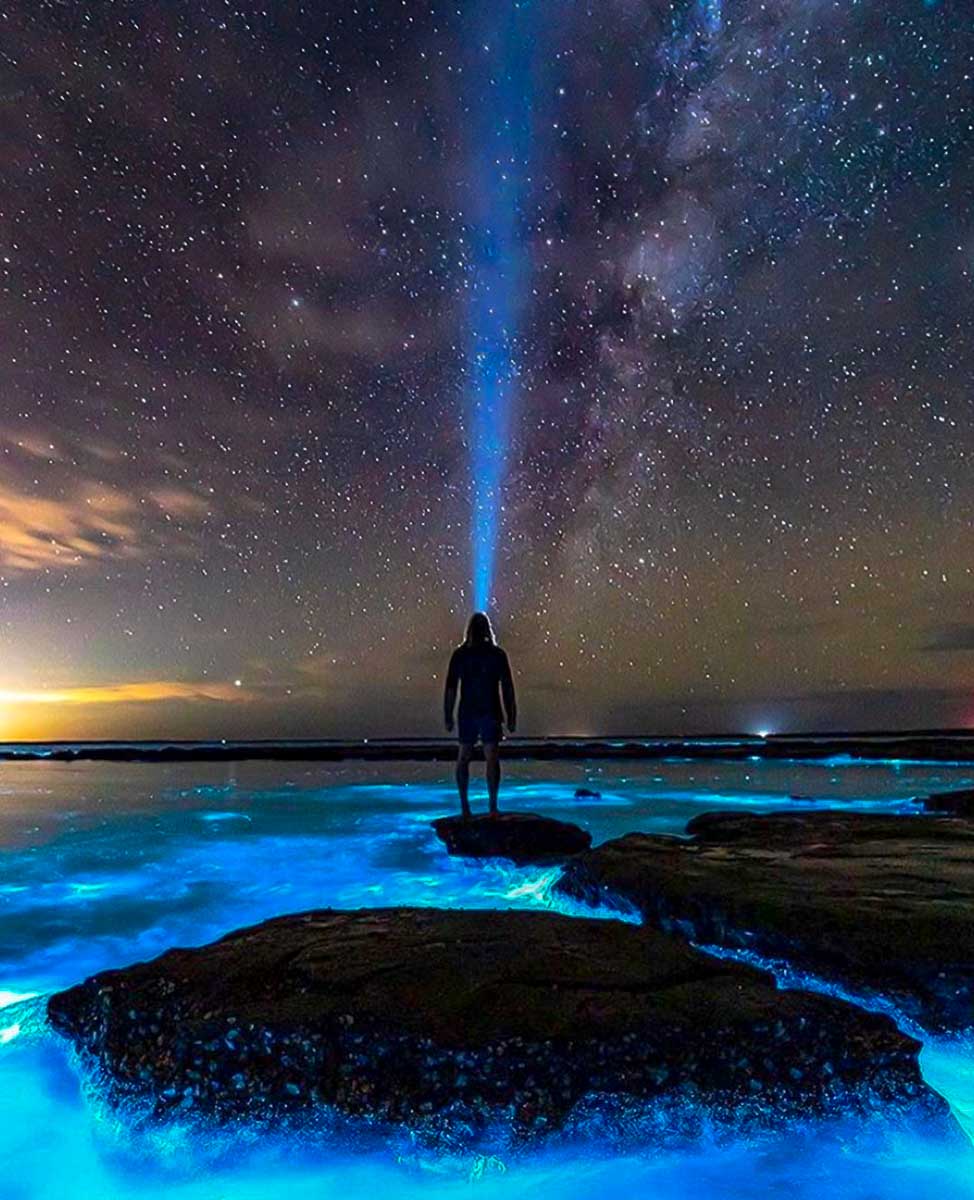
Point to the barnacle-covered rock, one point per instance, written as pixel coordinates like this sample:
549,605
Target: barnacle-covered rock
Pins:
410,1014
520,836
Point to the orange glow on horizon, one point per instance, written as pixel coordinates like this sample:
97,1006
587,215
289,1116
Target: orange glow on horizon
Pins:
35,714
126,693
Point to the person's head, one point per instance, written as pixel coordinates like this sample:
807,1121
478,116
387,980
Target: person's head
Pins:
479,631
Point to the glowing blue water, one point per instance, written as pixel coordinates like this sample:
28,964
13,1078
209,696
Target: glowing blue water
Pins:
106,863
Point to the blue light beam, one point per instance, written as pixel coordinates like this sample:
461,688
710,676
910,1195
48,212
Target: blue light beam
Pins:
501,110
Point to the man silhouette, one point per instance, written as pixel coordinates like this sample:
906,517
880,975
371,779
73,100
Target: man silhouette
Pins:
480,670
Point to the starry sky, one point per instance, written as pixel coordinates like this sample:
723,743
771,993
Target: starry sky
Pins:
241,258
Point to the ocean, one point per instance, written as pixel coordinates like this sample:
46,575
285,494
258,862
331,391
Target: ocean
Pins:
106,863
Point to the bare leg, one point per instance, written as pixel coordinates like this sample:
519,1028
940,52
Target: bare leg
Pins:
493,759
464,755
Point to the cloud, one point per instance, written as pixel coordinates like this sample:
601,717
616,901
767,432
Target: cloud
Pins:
949,638
32,444
75,523
181,503
37,533
152,692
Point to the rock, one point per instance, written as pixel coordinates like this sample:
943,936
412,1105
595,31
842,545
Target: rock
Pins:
875,903
584,793
519,836
957,804
411,1015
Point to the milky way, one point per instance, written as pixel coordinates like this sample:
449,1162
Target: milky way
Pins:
237,245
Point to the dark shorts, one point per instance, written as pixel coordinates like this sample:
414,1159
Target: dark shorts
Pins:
479,729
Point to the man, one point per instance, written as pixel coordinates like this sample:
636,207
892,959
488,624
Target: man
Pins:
479,668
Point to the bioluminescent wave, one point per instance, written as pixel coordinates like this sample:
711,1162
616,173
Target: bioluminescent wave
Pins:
500,125
104,864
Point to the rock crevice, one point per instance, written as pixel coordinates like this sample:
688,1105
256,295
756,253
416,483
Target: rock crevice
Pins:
876,903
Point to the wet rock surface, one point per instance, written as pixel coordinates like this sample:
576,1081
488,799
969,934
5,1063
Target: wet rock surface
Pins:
519,836
408,1015
958,803
875,903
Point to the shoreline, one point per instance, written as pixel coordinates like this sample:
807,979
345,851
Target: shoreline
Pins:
942,747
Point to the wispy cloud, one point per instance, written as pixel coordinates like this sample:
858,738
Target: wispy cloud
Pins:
31,444
181,503
63,523
150,692
39,532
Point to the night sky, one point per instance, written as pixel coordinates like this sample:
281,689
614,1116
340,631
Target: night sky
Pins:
242,255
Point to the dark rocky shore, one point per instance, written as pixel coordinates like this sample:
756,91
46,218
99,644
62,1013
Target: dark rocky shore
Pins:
958,803
519,836
412,1015
934,746
876,903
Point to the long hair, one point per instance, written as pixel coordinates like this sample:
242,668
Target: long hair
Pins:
479,631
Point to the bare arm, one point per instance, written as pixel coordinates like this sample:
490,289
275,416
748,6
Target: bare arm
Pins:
450,692
507,693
